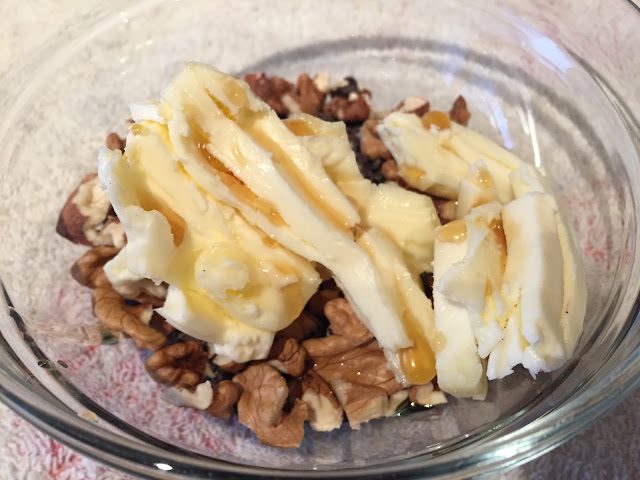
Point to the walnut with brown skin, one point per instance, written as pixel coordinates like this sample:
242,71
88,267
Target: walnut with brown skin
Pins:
416,105
360,402
459,112
348,110
112,310
371,145
88,269
446,209
287,356
225,395
364,364
181,364
345,322
308,96
326,346
260,407
87,218
226,364
389,170
114,142
271,90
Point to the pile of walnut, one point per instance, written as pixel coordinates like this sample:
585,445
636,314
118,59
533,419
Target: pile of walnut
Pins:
324,366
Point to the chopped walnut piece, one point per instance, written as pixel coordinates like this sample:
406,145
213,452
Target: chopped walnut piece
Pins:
180,364
361,403
318,300
371,145
365,364
352,109
158,323
416,105
271,90
88,269
345,88
459,112
390,170
86,213
446,209
287,356
260,407
308,97
114,142
426,395
326,346
225,363
325,411
344,321
225,395
199,397
112,310
306,325
395,401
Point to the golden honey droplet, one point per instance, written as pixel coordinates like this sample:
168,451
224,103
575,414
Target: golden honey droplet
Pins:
436,118
453,232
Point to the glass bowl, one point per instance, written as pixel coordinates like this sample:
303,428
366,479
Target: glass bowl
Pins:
536,80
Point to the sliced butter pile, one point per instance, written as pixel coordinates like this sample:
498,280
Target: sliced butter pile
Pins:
508,282
221,200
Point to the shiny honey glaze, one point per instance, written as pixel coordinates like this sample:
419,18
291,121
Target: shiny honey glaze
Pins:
435,118
453,232
418,362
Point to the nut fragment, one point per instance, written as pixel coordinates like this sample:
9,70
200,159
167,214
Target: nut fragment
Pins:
225,363
446,209
326,346
426,395
225,396
416,105
345,322
308,97
371,145
459,112
114,142
181,364
390,170
284,97
110,308
325,412
361,403
199,398
85,218
88,269
353,109
260,407
365,364
287,356
271,90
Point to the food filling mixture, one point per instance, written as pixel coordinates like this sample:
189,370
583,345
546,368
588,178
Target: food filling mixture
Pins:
289,255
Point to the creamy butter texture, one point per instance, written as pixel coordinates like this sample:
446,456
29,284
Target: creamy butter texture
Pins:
231,209
508,282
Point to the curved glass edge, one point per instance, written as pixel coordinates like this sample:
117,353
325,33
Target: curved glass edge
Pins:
495,455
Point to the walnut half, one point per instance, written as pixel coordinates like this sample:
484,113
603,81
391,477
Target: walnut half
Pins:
260,407
110,308
180,364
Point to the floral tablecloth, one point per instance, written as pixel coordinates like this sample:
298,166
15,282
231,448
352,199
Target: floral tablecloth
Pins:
607,450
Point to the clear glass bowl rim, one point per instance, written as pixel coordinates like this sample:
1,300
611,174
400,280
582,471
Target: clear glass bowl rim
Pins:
618,377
